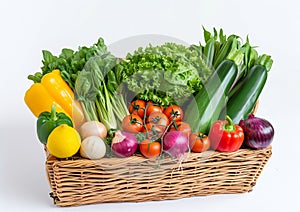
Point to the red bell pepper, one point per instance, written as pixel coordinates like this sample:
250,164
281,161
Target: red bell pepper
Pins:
225,136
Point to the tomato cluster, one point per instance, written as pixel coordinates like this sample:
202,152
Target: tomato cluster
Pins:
154,121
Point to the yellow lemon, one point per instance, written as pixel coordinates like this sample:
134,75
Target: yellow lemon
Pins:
64,141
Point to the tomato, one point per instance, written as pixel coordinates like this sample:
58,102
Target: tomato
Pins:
199,142
132,123
158,118
183,127
174,112
151,107
154,131
150,149
137,107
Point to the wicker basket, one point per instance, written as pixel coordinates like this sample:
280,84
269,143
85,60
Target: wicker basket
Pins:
136,179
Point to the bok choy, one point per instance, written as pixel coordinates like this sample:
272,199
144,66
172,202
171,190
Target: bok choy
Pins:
100,94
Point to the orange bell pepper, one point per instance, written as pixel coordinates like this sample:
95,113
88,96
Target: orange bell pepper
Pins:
53,90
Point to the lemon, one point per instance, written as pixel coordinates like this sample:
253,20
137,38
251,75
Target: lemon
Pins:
64,141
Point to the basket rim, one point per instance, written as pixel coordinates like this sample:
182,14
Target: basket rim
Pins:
137,157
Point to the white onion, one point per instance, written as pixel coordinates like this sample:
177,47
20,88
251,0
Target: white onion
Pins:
92,128
93,147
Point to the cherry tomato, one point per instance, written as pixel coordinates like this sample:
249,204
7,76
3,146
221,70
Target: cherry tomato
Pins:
183,127
137,107
132,123
199,142
150,149
174,112
151,107
158,118
154,132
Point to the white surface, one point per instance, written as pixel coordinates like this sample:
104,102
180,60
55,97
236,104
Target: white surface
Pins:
29,26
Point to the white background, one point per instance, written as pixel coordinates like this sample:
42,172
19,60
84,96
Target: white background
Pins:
29,26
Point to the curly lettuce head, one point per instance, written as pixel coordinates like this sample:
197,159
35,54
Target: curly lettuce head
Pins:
166,74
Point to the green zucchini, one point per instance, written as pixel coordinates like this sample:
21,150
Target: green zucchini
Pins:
243,100
205,108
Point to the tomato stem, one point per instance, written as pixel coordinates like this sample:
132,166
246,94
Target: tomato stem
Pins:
174,113
134,121
201,135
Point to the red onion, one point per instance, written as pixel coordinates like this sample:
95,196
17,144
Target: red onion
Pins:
175,143
258,132
124,144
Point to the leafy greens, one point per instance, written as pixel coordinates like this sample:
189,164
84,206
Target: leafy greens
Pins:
90,74
69,62
218,47
165,74
98,91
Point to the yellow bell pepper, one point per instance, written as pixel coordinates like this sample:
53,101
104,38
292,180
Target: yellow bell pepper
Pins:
53,90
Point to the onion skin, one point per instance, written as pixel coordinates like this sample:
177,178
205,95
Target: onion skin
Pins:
124,144
92,128
175,143
93,147
258,132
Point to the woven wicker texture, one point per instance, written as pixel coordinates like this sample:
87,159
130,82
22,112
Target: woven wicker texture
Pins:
136,179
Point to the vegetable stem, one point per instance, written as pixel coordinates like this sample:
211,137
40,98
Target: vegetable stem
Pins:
53,113
229,127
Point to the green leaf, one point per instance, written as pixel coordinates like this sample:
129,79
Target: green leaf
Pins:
66,53
252,58
112,84
266,61
225,50
209,52
237,56
207,34
215,34
222,37
48,57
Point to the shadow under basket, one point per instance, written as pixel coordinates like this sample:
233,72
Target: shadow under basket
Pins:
136,179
